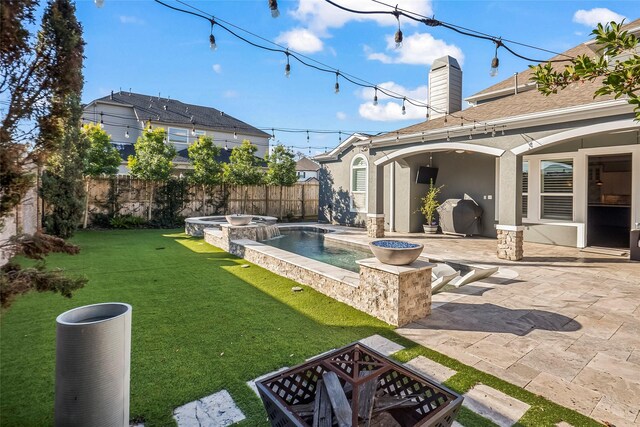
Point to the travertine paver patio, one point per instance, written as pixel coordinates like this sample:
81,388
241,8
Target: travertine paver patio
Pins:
561,323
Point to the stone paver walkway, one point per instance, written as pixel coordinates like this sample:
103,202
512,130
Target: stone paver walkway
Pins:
381,344
561,323
217,409
490,403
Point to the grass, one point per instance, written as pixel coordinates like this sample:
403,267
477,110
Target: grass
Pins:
201,323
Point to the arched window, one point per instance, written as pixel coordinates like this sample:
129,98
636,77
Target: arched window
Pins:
359,183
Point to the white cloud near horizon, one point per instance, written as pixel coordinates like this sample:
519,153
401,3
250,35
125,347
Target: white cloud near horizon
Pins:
301,40
124,19
416,49
341,115
595,16
389,109
217,68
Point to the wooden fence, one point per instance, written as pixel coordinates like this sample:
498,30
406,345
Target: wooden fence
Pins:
299,201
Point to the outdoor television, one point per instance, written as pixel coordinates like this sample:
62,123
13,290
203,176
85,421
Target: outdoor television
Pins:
426,174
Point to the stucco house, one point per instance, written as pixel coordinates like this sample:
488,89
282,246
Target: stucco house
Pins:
307,169
124,115
562,169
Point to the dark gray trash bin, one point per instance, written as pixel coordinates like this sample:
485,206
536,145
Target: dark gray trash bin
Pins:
93,359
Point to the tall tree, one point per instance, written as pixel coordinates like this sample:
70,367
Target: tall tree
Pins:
243,168
101,158
37,73
62,188
153,160
40,81
207,171
618,65
281,169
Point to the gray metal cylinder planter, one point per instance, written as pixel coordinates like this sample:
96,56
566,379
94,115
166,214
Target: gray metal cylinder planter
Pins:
93,359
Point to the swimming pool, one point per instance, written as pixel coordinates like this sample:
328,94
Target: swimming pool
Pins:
312,244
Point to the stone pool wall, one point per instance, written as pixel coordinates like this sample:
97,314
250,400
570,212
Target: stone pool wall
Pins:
395,294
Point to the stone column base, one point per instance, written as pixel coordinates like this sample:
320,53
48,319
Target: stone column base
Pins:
375,225
397,294
510,239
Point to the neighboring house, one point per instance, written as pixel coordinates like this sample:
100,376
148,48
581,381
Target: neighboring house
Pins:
307,169
124,115
562,169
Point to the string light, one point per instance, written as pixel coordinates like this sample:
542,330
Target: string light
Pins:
273,5
398,36
212,39
126,133
470,136
495,62
404,110
235,132
287,68
337,86
375,96
448,137
193,131
339,137
101,121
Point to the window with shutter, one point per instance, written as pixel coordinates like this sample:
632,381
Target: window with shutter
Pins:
359,177
556,189
525,189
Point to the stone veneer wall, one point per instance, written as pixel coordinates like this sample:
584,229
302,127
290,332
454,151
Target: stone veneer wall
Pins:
396,295
375,226
510,244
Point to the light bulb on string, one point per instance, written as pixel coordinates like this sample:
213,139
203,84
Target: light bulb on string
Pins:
337,86
99,3
404,110
495,62
448,137
273,6
193,131
339,137
101,121
126,133
398,36
375,96
287,68
426,116
212,39
235,133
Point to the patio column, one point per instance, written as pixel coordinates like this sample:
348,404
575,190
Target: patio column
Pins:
375,207
509,227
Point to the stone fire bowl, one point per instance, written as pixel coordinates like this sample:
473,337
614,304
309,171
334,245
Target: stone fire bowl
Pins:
395,252
238,219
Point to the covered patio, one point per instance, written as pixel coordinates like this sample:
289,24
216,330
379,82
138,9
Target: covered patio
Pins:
564,324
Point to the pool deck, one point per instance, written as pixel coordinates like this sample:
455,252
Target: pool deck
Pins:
561,323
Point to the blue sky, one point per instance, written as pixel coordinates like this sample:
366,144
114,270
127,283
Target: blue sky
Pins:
151,49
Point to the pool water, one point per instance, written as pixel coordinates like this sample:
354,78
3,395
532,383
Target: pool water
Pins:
312,245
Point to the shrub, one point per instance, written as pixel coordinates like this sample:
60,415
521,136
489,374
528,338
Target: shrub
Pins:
127,221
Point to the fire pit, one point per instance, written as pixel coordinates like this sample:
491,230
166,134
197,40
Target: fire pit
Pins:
354,386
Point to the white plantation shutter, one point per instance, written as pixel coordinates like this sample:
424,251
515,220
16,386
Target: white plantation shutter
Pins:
556,195
359,179
525,189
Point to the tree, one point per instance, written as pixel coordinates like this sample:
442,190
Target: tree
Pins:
62,187
620,77
207,171
281,169
153,160
36,75
101,158
40,79
242,168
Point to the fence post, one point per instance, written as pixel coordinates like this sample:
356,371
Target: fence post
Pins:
302,188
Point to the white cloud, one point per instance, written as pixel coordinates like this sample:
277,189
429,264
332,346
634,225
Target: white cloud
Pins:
230,94
341,116
301,40
417,49
389,109
595,16
319,16
131,20
217,68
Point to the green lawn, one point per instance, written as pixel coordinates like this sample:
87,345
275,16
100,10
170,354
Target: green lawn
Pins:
201,323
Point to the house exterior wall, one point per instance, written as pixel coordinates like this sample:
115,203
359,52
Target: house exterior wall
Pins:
305,175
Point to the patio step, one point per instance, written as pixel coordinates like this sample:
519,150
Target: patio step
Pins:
437,372
382,344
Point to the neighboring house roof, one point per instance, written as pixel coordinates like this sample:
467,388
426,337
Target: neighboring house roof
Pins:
172,111
306,164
